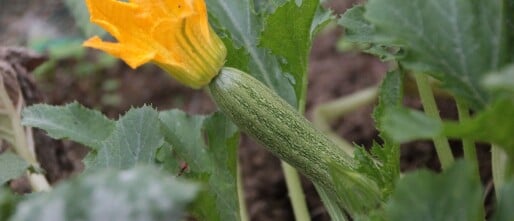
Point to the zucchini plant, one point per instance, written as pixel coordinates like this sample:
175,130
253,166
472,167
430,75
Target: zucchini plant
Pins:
251,57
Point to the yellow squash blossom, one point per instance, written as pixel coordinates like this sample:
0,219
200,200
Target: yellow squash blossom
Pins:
174,34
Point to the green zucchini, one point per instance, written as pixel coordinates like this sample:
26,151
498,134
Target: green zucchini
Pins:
262,114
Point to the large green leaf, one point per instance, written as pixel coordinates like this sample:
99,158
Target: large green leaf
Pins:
241,26
135,139
241,23
141,193
456,41
424,195
361,33
291,38
12,166
208,145
72,121
403,125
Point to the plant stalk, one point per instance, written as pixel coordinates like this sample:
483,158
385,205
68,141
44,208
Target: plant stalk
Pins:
22,141
243,212
499,162
429,105
296,195
468,145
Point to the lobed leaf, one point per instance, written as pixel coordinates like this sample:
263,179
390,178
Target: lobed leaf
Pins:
363,34
460,40
140,193
12,166
241,26
423,195
455,41
208,145
248,29
135,139
73,121
291,39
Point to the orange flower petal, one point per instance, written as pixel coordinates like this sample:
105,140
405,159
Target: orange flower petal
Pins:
134,57
175,34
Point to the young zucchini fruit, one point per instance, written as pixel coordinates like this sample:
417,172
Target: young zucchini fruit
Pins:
262,114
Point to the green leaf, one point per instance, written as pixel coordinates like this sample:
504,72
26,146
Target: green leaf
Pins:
72,121
12,166
357,28
291,38
455,41
8,202
240,23
208,145
503,209
381,164
141,193
403,125
423,195
390,96
490,125
361,33
135,139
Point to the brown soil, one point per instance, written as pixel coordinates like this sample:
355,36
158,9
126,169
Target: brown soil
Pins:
332,74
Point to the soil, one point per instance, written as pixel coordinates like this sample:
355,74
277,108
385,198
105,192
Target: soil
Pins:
332,74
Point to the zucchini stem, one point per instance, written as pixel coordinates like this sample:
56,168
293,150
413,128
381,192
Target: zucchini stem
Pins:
243,212
468,145
296,194
499,166
441,144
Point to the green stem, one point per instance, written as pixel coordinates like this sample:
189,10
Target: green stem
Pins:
499,166
429,105
240,193
294,186
22,140
468,145
324,114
